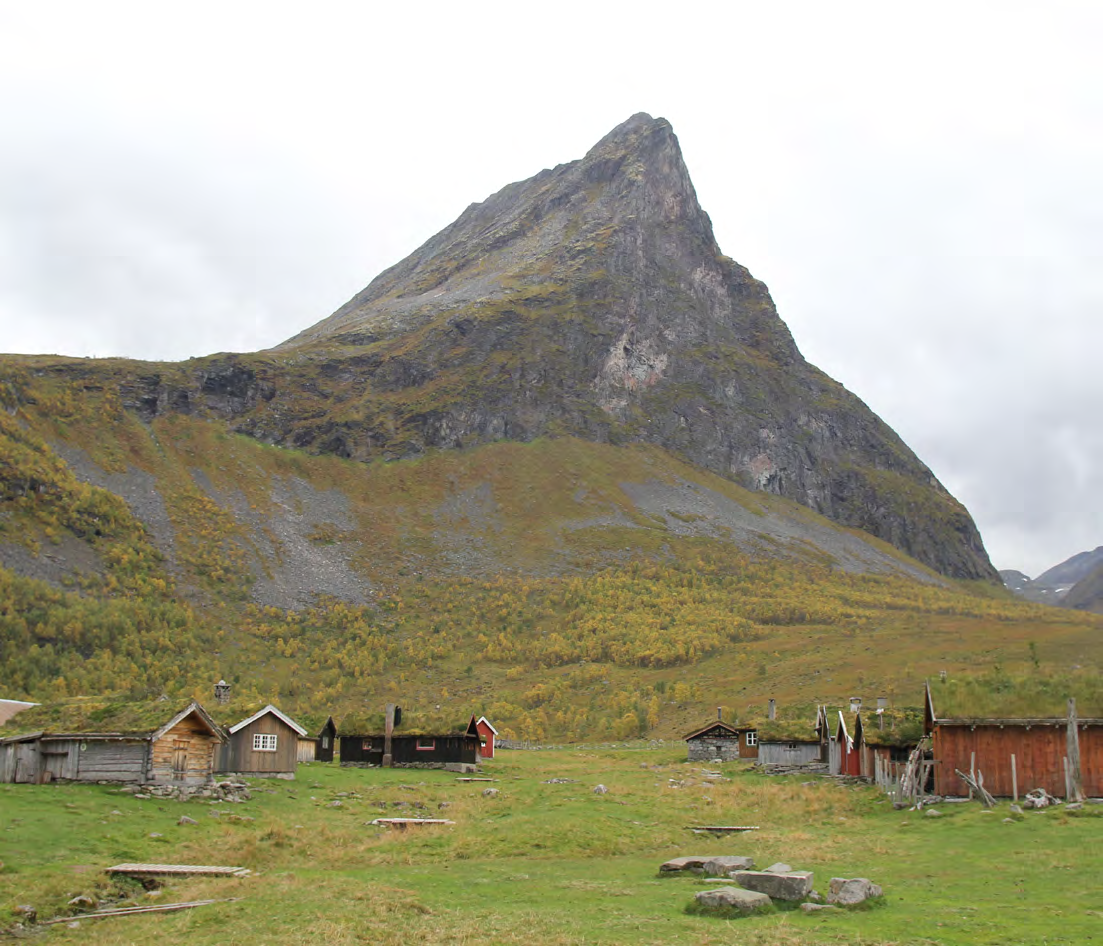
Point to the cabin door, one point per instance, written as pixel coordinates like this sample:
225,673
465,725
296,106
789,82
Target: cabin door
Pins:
179,761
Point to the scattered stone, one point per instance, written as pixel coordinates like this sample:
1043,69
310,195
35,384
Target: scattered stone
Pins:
793,885
1074,806
142,796
156,835
74,925
850,891
778,868
241,818
600,790
814,907
444,804
723,866
559,781
1008,820
154,894
116,811
26,912
732,900
1039,798
1015,809
184,819
84,902
676,864
932,813
336,804
816,897
491,793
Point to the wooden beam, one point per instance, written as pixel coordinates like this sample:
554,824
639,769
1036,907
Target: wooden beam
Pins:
1072,741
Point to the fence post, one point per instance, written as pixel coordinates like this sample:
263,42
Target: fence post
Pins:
1014,780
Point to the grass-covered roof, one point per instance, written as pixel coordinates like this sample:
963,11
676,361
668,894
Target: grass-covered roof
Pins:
95,715
413,724
893,727
1028,696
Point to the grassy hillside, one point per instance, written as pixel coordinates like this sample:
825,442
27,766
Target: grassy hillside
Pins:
548,863
568,590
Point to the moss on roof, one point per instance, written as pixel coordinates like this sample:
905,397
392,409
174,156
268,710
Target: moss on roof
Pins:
413,724
95,715
902,727
784,730
999,695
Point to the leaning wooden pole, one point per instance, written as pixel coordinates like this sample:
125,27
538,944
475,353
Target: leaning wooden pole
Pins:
1076,785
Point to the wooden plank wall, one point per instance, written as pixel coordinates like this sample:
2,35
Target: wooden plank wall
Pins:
199,745
243,759
115,760
1039,758
306,749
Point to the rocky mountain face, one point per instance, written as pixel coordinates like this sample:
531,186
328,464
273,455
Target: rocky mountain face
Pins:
1077,582
1087,593
593,301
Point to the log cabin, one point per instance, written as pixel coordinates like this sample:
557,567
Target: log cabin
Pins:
264,745
418,744
95,740
986,731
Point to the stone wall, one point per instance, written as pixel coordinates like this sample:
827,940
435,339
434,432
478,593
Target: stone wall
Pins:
707,748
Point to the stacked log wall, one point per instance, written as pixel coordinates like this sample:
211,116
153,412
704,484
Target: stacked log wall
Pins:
200,746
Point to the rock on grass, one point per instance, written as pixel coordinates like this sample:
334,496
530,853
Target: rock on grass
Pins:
729,902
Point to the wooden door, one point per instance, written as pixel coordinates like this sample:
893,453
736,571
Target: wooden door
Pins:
179,761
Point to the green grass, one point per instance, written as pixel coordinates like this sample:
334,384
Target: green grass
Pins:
548,863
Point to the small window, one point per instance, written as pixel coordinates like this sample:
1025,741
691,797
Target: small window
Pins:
752,739
791,746
264,742
366,745
325,742
425,745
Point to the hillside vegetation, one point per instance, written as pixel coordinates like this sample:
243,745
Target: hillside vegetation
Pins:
533,583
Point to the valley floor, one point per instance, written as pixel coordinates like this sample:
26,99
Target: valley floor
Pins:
549,863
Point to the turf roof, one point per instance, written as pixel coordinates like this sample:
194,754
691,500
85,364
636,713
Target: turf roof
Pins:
95,715
1032,696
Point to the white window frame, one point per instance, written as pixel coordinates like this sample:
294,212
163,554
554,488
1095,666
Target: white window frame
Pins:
325,742
431,744
752,738
265,742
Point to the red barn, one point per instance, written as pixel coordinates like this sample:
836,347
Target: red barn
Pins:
486,738
1015,752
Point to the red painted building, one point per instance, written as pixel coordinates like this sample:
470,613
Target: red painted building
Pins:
486,738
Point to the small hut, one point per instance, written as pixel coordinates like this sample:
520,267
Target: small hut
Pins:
845,758
487,734
326,741
789,741
264,745
715,741
94,739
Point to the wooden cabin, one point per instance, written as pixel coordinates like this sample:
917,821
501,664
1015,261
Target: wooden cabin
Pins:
92,740
845,757
326,741
265,745
790,740
1015,753
487,734
429,746
887,738
306,749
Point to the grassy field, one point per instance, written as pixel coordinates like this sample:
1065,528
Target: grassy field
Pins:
548,863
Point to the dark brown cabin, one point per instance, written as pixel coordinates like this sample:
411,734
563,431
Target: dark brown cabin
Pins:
263,746
458,749
327,742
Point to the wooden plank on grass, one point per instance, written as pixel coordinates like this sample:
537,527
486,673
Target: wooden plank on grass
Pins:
177,870
722,827
129,911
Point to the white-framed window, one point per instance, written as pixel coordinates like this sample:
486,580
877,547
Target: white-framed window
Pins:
325,742
752,738
424,745
264,742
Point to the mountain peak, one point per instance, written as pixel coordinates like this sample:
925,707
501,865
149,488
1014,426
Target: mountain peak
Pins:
593,300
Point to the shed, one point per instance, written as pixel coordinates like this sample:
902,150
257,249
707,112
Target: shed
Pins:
717,740
92,740
487,733
887,737
264,745
789,741
845,758
424,743
327,741
984,729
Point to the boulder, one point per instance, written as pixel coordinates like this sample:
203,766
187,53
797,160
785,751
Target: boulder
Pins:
723,866
932,813
792,885
491,793
813,907
685,863
732,901
600,790
184,819
778,868
84,902
849,891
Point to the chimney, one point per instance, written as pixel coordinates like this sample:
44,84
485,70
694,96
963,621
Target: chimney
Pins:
855,704
720,713
882,703
771,710
222,692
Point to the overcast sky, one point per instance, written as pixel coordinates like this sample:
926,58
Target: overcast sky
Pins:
919,186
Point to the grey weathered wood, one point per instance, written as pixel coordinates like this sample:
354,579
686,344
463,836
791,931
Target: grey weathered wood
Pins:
976,784
1076,785
1014,780
127,911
